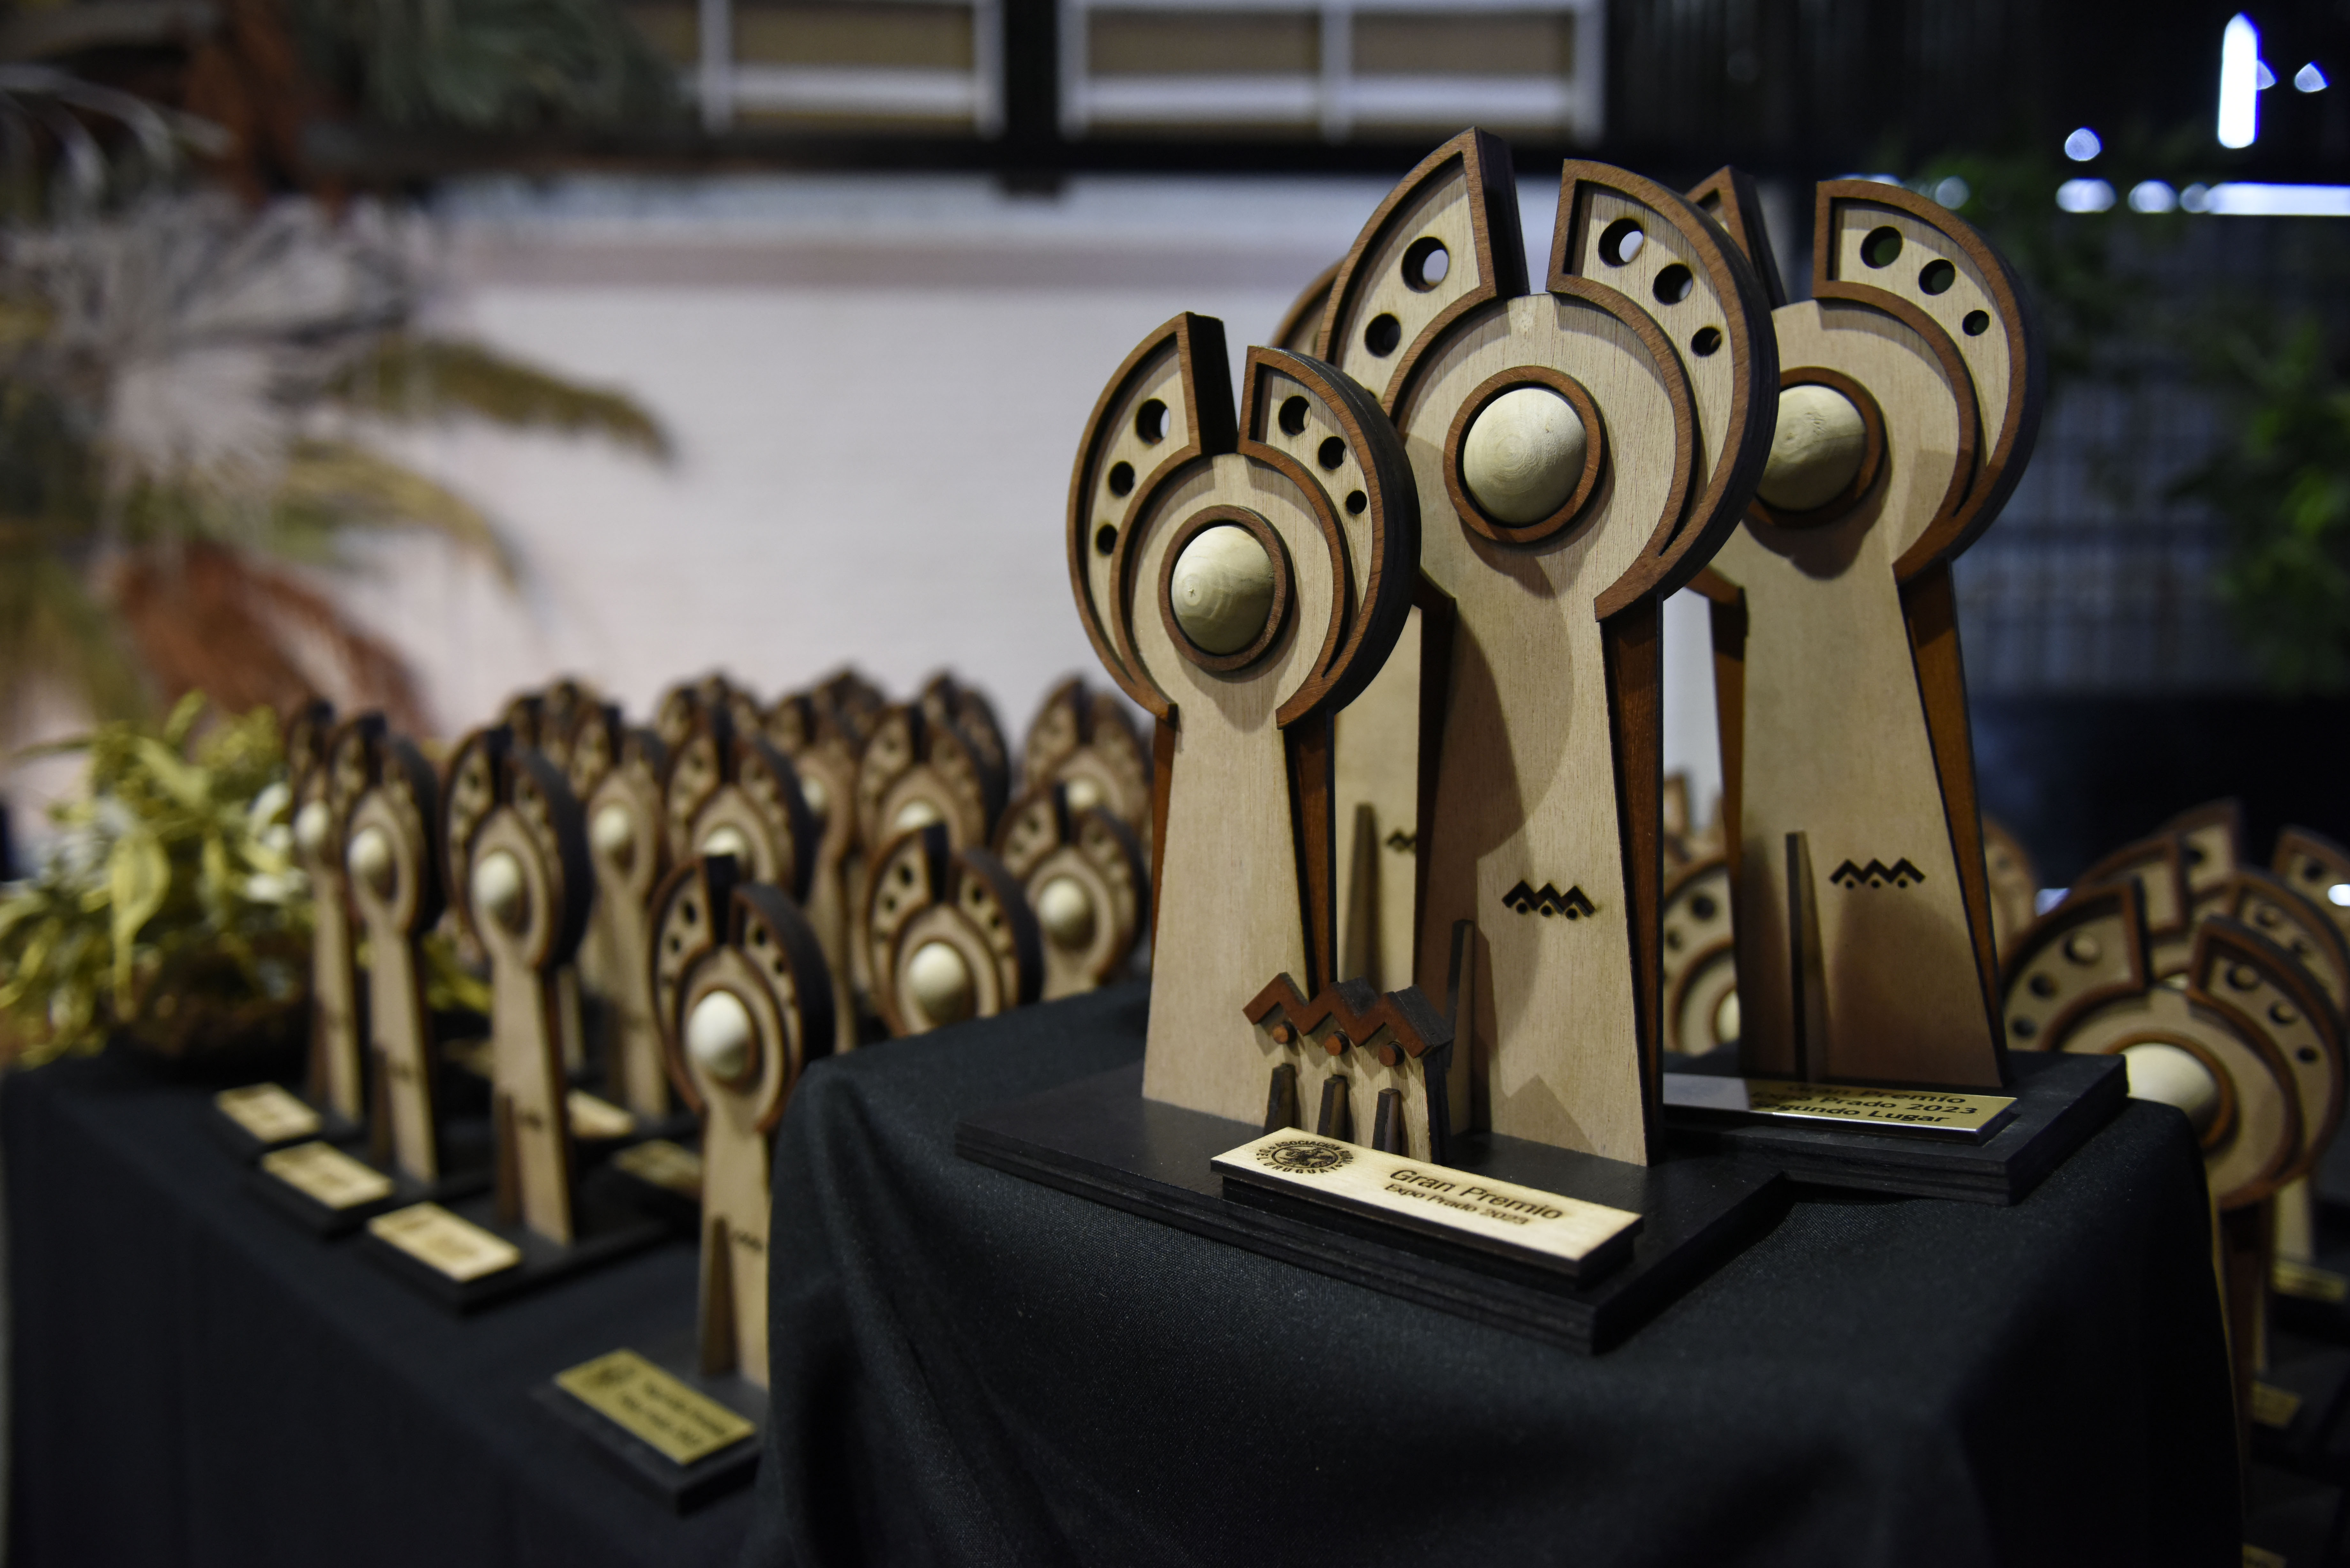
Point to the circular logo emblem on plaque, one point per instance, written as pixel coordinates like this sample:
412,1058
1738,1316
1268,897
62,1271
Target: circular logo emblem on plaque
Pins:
1301,1156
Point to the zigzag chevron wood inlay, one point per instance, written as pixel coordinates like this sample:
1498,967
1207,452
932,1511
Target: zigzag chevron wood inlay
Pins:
1547,900
1360,1013
1876,874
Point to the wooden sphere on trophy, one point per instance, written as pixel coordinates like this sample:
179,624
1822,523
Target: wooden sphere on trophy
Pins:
948,934
744,998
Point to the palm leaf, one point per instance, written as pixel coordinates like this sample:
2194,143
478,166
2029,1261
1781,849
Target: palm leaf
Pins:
410,380
53,630
332,485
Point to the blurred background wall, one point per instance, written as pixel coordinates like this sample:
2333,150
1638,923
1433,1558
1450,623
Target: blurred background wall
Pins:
868,263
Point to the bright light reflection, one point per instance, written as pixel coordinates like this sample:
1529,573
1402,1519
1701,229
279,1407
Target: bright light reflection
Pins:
2084,195
2339,894
2240,70
1952,191
2082,145
2238,200
2309,78
2152,196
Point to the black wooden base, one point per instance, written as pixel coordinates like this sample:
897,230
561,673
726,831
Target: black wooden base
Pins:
1100,1138
338,1131
606,1230
285,1198
2315,1377
2060,1101
684,1488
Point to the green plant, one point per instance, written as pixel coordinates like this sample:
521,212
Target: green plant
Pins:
2282,480
192,397
171,907
485,64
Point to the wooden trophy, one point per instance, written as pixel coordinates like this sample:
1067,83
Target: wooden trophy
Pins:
1580,453
1553,463
395,889
627,845
527,888
1083,873
1909,396
824,749
1700,961
2240,1039
1239,580
321,826
255,1118
2014,884
743,994
949,934
1081,738
919,768
915,770
730,792
967,710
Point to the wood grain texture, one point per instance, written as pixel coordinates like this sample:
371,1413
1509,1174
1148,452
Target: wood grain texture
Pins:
1376,771
537,823
2081,982
2210,843
1526,813
728,785
765,955
2014,883
1853,726
1244,887
628,869
1082,738
1299,329
337,1058
813,731
923,892
398,904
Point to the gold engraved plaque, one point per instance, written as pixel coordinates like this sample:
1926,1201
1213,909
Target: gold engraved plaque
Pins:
657,1162
1567,1233
2290,1277
325,1175
598,1120
439,1240
1930,1112
653,1407
2274,1407
268,1112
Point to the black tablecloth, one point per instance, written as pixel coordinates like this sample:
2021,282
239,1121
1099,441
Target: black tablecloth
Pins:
197,1381
971,1369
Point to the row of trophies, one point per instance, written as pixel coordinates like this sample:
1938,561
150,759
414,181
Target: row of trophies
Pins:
1400,839
689,910
1396,611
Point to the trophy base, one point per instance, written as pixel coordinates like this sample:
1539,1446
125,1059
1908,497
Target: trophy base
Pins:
326,1212
326,1220
682,1487
2297,1406
237,1135
606,1230
2060,1101
1100,1138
